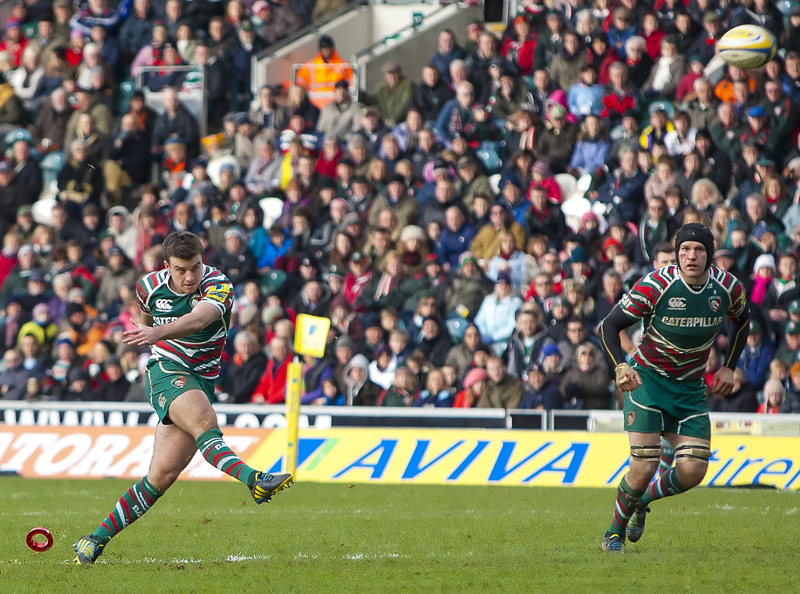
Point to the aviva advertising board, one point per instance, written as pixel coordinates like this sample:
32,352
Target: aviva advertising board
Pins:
425,456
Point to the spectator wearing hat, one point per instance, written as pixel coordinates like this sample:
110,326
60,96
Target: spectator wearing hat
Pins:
41,328
622,28
320,75
341,117
544,217
757,131
790,347
757,356
474,385
82,330
465,290
393,96
434,341
471,181
359,389
397,199
14,42
237,56
540,392
495,318
118,273
114,385
14,380
557,139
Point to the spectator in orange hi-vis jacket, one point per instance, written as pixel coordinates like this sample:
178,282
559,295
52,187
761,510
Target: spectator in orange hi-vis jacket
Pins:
320,75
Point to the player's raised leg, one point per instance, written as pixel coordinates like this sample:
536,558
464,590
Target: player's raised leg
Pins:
636,524
172,451
192,412
645,453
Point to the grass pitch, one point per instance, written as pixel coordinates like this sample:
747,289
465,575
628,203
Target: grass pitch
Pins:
211,537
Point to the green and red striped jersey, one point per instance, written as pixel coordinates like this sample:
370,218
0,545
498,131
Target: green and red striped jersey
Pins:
200,352
680,322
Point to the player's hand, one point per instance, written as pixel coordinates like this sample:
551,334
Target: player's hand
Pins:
142,336
627,378
723,382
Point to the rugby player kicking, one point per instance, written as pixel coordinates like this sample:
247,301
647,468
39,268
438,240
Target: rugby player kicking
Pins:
187,311
681,308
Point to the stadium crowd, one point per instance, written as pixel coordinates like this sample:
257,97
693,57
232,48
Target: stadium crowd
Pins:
445,286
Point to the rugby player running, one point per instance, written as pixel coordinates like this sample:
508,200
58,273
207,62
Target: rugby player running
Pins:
186,311
682,309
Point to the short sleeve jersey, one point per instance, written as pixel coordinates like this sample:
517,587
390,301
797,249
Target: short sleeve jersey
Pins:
679,322
200,352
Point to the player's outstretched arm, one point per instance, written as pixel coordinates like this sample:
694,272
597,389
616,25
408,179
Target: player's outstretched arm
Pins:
202,315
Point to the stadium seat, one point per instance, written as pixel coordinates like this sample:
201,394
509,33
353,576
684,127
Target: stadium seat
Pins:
15,135
126,89
272,209
494,182
456,328
42,209
567,183
51,166
490,159
272,281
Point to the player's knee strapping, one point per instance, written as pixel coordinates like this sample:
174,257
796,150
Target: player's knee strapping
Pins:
692,451
646,457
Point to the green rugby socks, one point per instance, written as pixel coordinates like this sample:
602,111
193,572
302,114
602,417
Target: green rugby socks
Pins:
666,486
219,455
131,506
627,501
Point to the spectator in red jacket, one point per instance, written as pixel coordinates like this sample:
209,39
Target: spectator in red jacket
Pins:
272,387
520,47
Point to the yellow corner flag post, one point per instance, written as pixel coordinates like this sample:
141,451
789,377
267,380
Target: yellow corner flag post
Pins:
310,338
293,376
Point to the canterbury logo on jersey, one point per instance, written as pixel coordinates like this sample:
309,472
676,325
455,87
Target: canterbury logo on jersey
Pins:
677,303
163,304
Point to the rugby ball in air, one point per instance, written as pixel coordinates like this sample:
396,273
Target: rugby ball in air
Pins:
747,47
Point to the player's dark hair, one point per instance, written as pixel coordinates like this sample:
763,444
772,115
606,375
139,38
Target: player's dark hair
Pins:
182,245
